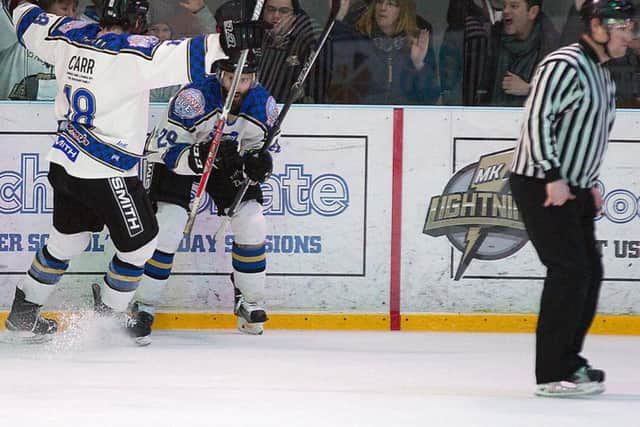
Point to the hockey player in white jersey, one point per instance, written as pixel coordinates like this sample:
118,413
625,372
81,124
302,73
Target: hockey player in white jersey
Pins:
181,142
104,73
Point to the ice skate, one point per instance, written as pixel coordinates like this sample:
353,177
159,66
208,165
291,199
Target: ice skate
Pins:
25,325
139,324
584,382
251,316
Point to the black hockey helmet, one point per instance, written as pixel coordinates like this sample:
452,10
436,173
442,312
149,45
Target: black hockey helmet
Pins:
131,15
229,65
609,12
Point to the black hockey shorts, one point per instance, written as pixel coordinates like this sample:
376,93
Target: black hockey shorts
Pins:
120,203
170,187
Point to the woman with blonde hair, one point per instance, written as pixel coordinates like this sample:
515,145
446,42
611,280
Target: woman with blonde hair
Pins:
386,58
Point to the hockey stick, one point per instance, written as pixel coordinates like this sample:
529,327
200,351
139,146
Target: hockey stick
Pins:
297,91
217,137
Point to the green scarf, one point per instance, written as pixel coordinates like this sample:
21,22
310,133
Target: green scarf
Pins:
520,57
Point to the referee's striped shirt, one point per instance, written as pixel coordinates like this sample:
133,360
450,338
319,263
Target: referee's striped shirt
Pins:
283,56
569,115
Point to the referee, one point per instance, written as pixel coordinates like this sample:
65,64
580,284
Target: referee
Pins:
569,115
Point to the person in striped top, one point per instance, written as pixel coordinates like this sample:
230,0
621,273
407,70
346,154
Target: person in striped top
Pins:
569,115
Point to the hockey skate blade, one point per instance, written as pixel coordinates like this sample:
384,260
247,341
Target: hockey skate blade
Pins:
578,390
250,328
24,337
143,341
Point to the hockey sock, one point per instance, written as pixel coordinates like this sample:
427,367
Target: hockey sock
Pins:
249,259
45,271
156,273
120,283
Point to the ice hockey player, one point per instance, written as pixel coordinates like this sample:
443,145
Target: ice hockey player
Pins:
183,138
104,73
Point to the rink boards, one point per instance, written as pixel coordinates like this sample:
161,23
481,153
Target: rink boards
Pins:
370,213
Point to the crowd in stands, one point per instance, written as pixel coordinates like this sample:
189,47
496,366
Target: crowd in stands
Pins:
381,52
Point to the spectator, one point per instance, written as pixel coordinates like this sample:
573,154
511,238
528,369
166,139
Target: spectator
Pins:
463,52
626,73
353,12
624,70
202,14
163,32
286,48
92,11
518,43
385,59
25,75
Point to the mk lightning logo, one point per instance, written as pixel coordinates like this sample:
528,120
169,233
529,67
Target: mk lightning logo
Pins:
477,213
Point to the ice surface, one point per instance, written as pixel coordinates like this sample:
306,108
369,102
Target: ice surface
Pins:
94,376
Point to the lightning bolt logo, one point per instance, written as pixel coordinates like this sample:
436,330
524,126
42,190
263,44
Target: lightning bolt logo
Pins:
490,176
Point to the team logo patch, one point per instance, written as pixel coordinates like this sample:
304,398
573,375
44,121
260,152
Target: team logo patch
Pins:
42,19
189,104
73,25
142,41
272,111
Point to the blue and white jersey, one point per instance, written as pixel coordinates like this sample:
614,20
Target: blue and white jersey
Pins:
103,86
192,115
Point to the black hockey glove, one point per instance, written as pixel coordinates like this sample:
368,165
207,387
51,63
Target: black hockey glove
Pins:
258,165
237,36
198,156
227,158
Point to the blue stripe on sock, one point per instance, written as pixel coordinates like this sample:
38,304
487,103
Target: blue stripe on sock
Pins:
122,270
156,272
248,252
249,267
163,257
47,261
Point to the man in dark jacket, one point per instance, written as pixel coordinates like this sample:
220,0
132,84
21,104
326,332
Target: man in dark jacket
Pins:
518,43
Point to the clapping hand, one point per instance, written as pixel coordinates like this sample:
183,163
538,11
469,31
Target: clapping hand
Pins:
419,48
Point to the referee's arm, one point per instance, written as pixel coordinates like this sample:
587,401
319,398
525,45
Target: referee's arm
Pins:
556,89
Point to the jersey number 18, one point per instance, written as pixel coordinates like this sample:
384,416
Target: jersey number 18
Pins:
82,106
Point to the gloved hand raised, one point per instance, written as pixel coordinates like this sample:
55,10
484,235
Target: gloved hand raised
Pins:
237,36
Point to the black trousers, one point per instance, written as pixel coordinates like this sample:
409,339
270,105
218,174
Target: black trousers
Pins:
564,237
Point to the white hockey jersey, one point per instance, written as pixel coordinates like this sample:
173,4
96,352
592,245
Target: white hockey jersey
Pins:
192,116
103,86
